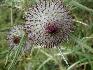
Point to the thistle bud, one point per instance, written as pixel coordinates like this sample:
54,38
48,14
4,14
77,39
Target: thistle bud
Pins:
14,37
48,22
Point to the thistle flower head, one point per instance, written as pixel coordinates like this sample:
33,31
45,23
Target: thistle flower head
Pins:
51,27
49,22
14,37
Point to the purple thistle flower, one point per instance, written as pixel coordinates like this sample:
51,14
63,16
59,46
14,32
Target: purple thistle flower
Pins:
14,37
49,23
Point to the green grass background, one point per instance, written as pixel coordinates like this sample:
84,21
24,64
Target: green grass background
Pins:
78,50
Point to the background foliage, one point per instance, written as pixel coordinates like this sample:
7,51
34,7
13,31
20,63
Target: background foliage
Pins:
78,50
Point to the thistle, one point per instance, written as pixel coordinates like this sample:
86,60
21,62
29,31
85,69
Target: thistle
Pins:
49,23
14,37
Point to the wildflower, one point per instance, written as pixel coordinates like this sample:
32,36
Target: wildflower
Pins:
14,37
49,23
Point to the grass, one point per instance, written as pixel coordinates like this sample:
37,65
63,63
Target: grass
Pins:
78,51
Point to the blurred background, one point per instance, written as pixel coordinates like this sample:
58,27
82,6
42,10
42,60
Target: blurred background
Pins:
78,50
